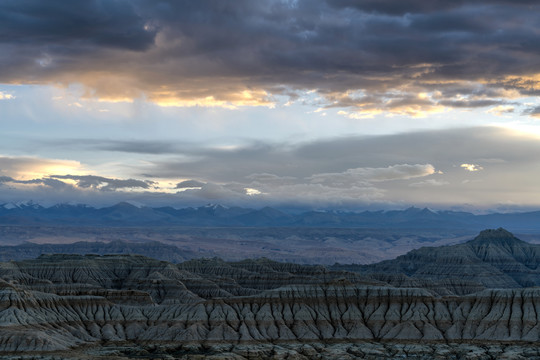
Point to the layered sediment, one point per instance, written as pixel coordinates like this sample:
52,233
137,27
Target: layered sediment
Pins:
494,259
56,303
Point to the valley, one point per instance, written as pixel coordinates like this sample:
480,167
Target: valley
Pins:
288,244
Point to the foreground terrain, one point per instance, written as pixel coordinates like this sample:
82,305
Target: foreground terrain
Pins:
130,306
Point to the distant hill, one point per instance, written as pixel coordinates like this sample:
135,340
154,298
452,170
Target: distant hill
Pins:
126,214
153,249
494,259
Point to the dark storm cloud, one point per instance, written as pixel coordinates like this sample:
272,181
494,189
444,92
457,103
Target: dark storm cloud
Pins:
395,7
218,53
72,25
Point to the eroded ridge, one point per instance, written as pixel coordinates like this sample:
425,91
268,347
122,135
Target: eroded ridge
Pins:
59,302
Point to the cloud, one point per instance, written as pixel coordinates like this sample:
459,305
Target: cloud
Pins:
79,25
215,192
265,178
356,171
252,192
367,169
105,184
429,182
6,96
40,185
25,167
367,175
190,184
471,167
367,57
532,111
501,110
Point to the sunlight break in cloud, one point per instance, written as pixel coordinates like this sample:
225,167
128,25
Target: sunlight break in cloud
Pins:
251,191
27,168
6,96
471,167
501,110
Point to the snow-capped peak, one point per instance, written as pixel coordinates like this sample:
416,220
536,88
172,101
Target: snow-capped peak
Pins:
136,204
214,206
9,206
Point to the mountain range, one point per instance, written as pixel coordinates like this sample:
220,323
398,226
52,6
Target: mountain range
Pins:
127,214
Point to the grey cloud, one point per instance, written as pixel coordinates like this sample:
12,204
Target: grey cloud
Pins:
103,183
127,146
365,175
533,111
268,162
321,195
61,26
4,179
445,22
215,192
48,182
421,168
265,178
369,169
83,181
473,103
397,7
171,51
189,184
140,147
429,182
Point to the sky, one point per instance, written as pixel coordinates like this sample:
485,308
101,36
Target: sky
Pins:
319,104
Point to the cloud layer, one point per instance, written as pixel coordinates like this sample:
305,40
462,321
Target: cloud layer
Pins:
482,167
367,57
132,99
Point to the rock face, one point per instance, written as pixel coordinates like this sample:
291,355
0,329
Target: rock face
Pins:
59,302
494,259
